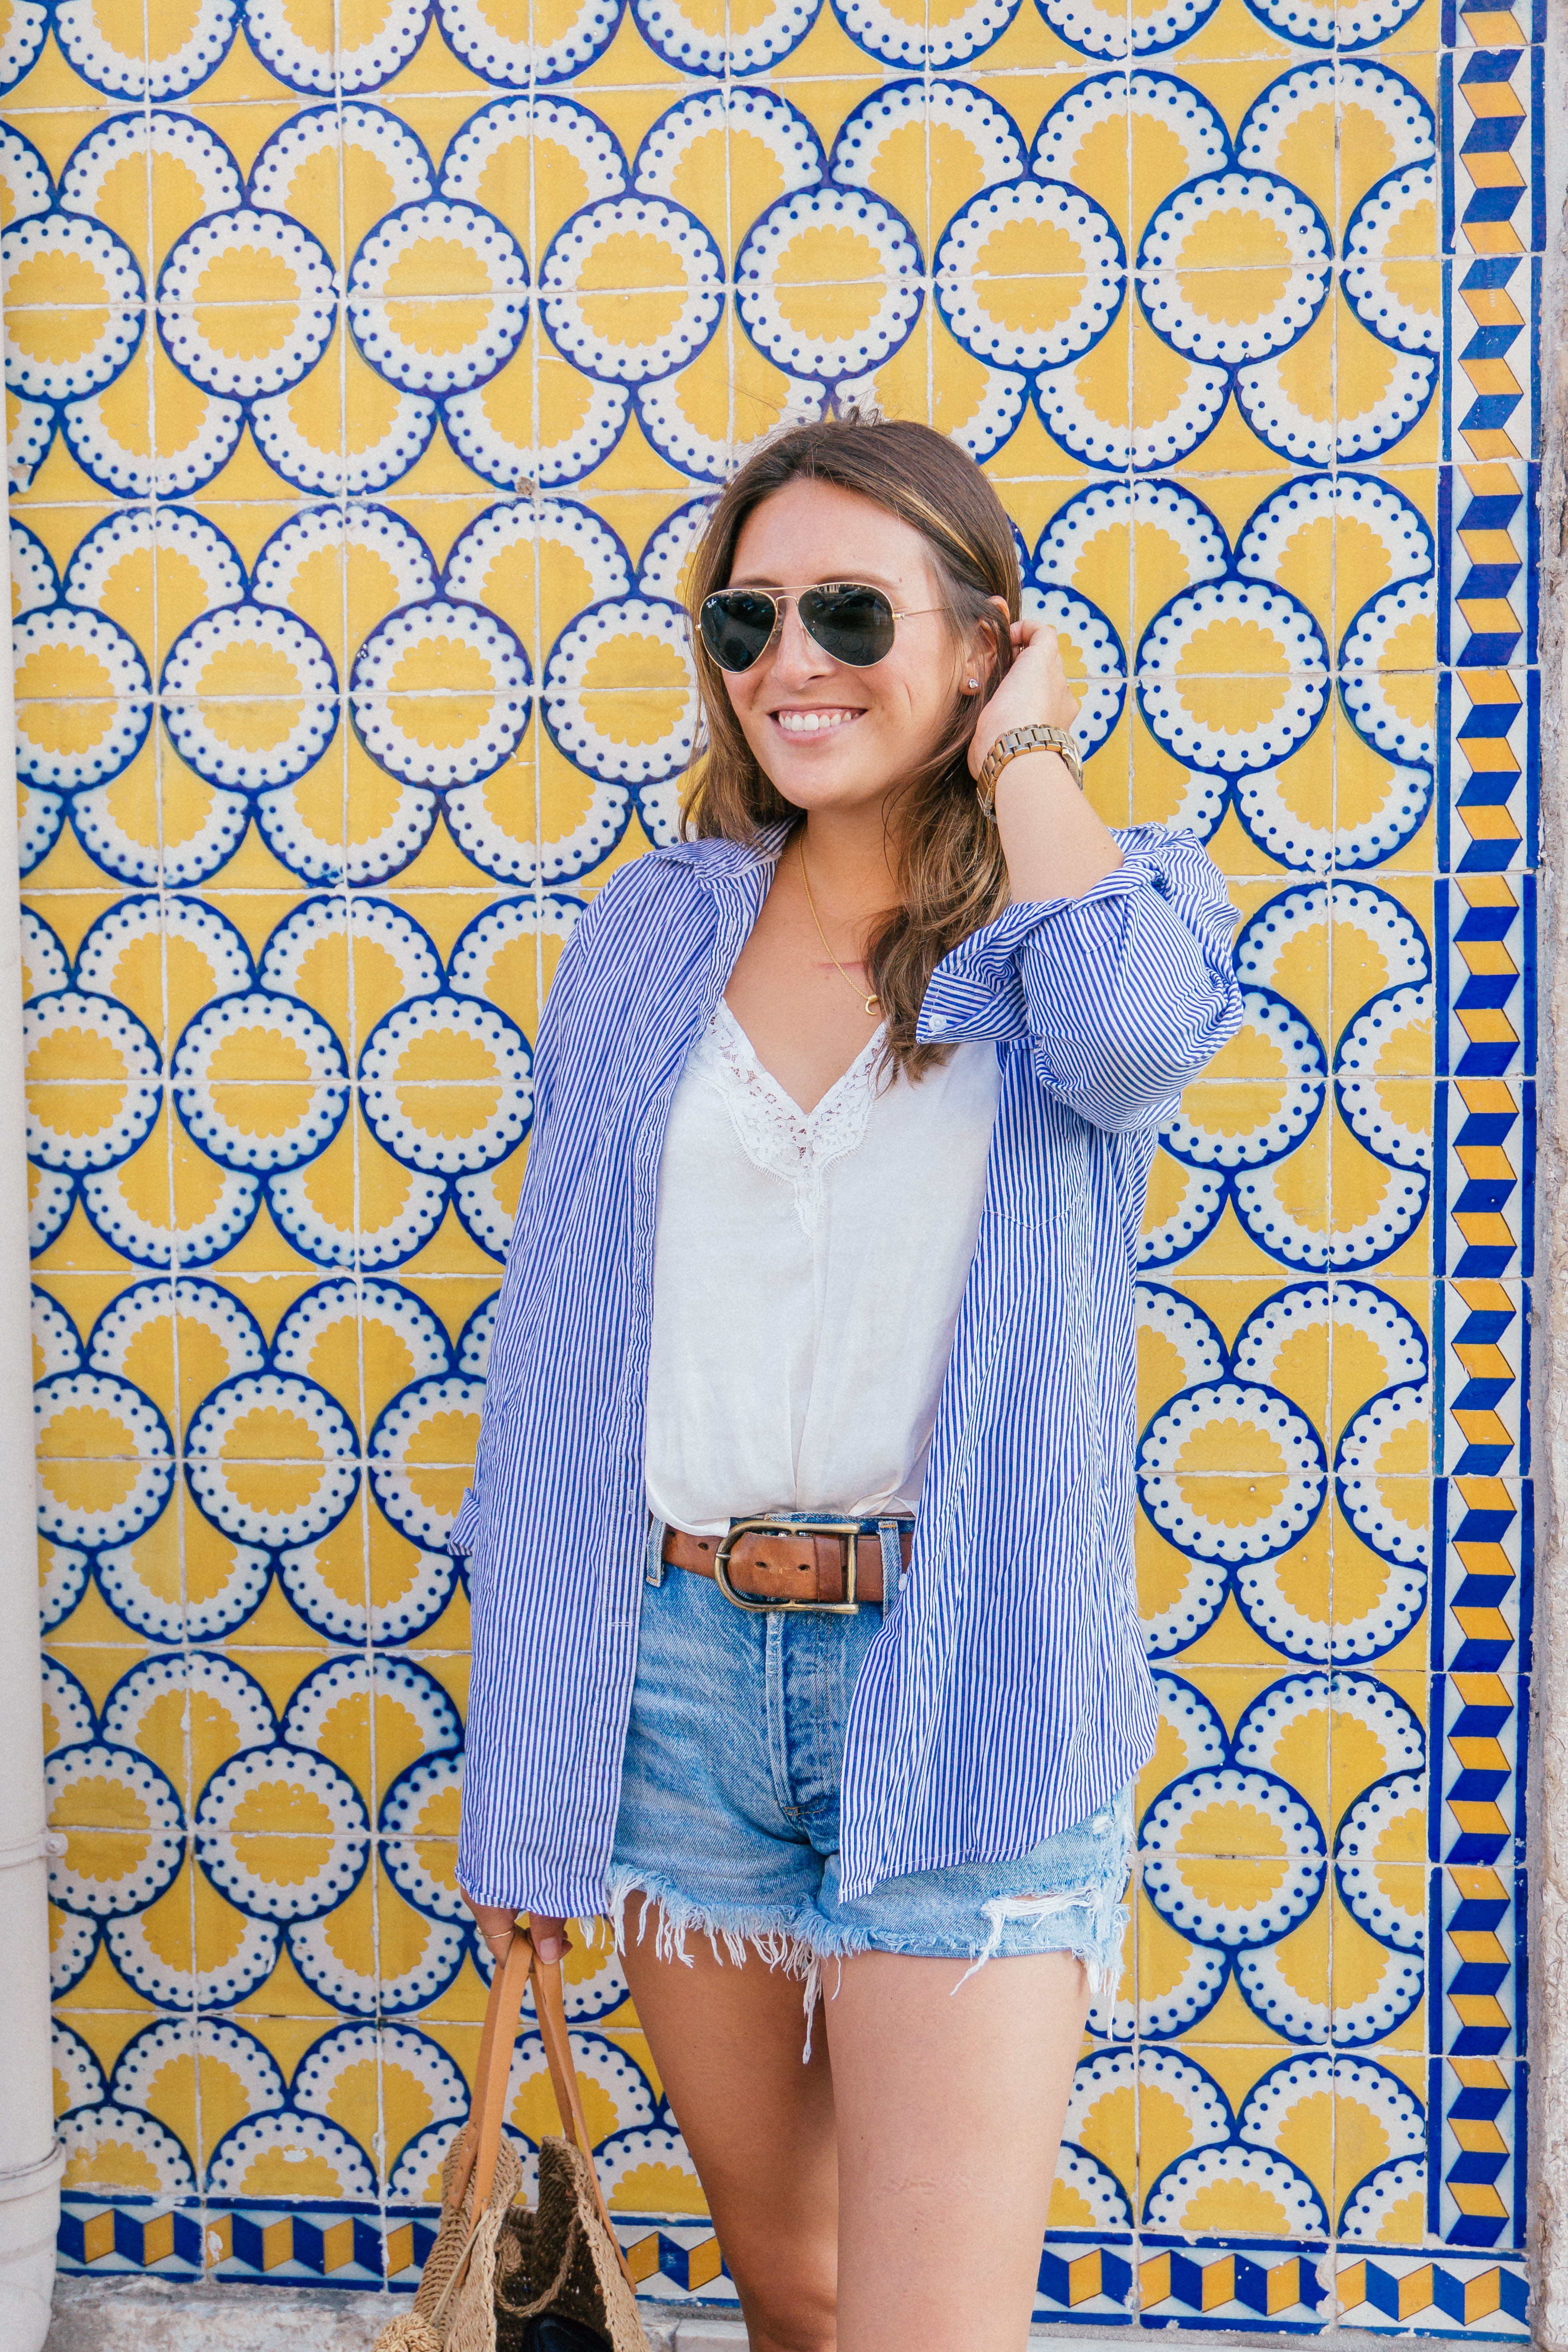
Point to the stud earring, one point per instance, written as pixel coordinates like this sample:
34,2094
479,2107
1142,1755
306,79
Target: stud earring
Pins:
971,684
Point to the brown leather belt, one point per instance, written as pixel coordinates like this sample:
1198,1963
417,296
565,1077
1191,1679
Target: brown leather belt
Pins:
769,1565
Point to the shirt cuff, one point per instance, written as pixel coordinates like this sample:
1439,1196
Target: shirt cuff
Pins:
976,990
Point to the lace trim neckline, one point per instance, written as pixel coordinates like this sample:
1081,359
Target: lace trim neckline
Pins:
772,1130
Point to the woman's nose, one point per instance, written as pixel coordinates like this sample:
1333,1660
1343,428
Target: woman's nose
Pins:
796,655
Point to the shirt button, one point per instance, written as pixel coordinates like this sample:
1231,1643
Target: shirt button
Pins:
938,1021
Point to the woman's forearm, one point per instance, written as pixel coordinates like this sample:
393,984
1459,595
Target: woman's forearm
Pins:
1055,846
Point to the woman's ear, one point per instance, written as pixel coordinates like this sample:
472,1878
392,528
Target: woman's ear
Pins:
981,648
991,645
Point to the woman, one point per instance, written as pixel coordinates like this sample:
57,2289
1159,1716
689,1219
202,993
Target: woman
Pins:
844,1112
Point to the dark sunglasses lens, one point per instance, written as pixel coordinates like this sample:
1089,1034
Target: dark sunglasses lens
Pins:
737,627
853,625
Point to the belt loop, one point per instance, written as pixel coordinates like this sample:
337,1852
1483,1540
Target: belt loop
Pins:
653,1563
892,1560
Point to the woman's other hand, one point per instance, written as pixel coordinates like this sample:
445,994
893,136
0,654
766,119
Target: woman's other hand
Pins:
1035,692
497,1924
550,1940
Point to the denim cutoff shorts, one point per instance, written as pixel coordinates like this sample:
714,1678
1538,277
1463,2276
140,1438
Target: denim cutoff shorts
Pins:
729,1815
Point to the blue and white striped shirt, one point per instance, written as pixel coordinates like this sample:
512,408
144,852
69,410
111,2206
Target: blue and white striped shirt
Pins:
1006,1696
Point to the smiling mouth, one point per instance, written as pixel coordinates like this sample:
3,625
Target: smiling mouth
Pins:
814,722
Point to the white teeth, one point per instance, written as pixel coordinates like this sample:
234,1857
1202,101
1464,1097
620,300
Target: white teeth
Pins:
810,722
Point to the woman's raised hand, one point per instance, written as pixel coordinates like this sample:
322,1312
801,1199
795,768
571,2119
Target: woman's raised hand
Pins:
1035,692
497,1924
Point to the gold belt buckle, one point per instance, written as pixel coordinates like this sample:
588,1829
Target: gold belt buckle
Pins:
847,1607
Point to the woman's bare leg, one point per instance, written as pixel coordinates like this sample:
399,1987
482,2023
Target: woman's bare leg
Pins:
949,2114
758,2125
907,2180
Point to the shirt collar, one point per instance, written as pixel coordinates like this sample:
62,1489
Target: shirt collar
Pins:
715,858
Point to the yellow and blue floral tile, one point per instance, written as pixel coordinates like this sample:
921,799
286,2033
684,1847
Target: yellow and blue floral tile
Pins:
1101,248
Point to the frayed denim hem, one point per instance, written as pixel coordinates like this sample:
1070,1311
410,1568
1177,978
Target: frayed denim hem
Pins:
798,1947
1101,1949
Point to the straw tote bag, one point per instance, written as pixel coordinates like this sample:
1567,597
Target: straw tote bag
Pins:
495,2265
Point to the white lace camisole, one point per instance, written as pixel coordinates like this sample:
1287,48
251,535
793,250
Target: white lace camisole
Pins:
808,1273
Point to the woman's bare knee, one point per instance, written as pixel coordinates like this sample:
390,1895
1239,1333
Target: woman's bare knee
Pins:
782,2322
760,2128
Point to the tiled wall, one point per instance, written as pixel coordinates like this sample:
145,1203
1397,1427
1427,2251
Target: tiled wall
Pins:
328,724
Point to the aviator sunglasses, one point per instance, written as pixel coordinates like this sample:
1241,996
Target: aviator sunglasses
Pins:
851,623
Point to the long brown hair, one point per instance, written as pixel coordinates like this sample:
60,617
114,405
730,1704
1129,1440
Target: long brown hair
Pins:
947,860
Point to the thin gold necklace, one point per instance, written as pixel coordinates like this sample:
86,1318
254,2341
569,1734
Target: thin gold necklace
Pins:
871,1002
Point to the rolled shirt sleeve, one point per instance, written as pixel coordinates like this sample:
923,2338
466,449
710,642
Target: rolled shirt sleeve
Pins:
1124,994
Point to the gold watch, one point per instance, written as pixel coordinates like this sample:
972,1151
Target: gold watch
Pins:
1008,747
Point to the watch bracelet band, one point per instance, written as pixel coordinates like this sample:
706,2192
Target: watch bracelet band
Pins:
1011,746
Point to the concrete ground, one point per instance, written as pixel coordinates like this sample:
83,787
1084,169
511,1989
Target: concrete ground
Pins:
140,2314
136,2314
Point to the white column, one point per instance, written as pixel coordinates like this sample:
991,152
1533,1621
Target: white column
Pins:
30,2159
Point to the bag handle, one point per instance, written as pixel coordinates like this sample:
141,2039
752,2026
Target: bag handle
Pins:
480,2143
549,2001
